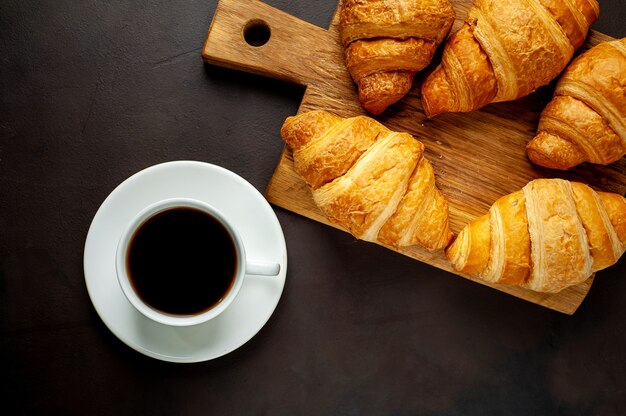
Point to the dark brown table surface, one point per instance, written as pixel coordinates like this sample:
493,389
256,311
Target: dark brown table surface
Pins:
94,91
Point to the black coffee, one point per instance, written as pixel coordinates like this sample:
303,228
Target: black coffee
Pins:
181,261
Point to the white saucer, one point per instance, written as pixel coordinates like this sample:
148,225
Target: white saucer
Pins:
260,231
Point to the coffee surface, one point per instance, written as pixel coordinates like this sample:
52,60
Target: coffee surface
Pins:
182,261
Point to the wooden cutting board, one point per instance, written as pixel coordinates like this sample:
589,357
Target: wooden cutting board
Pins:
478,156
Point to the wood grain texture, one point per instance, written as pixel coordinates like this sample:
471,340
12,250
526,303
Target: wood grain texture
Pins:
477,156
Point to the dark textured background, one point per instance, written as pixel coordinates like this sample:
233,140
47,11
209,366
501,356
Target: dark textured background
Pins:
94,91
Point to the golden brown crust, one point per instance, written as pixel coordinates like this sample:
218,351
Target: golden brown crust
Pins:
553,151
330,154
615,207
373,182
387,42
299,130
598,78
496,246
359,199
469,253
587,116
604,242
463,64
398,19
527,43
421,206
380,90
370,56
573,21
551,235
560,249
508,225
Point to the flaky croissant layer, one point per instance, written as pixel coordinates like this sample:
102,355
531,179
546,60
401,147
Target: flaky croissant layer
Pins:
586,119
387,42
505,50
550,235
371,181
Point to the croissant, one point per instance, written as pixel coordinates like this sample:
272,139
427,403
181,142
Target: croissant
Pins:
505,50
371,181
387,42
586,119
550,235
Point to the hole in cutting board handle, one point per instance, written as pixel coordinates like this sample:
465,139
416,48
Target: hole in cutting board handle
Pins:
256,33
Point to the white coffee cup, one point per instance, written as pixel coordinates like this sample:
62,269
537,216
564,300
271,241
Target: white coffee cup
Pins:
244,266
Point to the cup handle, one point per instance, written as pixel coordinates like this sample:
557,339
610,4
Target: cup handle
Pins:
262,269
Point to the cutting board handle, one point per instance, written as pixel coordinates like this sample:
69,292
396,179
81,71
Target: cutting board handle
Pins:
292,52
